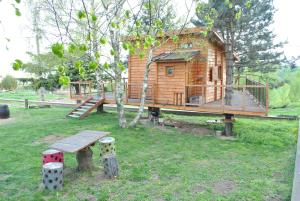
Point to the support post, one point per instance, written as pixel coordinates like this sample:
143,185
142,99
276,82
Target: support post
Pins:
153,113
26,104
84,159
100,109
228,124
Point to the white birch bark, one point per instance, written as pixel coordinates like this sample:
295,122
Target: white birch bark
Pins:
144,89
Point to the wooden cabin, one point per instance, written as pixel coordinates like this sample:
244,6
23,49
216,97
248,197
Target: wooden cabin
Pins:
177,67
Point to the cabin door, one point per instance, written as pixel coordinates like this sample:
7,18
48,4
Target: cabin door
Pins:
170,83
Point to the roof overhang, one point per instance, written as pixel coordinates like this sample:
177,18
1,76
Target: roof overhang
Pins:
176,56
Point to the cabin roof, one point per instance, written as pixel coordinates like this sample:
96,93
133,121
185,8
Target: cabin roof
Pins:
176,56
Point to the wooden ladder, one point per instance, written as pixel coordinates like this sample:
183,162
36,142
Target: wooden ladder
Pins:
85,108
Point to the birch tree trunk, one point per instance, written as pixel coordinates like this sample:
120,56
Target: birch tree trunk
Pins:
119,88
120,100
144,89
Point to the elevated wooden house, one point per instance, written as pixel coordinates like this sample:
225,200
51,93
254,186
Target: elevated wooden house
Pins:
178,70
191,75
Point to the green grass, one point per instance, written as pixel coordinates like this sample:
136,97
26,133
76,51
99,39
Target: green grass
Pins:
155,164
292,109
22,94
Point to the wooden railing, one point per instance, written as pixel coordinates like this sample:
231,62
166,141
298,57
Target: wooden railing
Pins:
259,92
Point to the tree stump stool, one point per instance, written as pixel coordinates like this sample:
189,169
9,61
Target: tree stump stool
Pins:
111,168
52,155
107,147
53,176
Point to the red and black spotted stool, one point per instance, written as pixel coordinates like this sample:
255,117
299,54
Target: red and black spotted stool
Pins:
52,155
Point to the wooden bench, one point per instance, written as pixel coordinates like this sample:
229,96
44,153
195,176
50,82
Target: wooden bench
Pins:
80,144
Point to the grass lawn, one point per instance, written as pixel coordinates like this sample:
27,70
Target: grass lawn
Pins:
22,94
291,109
155,163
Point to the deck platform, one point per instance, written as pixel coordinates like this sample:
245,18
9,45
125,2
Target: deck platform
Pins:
243,103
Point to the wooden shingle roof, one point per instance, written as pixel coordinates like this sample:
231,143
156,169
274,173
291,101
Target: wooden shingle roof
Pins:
176,56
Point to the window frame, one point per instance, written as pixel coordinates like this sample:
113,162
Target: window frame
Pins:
210,74
220,72
166,71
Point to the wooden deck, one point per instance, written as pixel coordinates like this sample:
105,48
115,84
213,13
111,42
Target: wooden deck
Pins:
243,103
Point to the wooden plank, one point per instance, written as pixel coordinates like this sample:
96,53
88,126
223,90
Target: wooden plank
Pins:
296,182
79,141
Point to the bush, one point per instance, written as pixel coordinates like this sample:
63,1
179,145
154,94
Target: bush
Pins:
280,97
9,83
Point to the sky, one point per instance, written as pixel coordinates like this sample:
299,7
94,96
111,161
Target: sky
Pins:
16,29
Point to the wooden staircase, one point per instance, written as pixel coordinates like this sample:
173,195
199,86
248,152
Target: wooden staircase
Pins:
85,108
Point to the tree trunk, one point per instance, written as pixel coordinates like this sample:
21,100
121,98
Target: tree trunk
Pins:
144,89
84,159
120,101
229,74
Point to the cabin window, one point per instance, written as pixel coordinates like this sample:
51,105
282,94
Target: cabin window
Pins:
210,75
186,45
220,72
170,71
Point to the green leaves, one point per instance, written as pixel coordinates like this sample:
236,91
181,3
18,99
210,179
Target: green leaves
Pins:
125,46
248,4
78,64
18,1
83,47
64,80
17,65
112,52
93,65
72,48
175,38
17,12
114,25
58,49
106,65
127,14
94,17
141,55
103,41
149,41
121,66
81,14
138,24
61,70
238,14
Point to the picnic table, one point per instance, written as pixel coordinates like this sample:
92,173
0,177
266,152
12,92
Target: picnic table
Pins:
80,144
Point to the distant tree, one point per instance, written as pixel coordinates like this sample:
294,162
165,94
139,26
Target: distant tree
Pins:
41,65
245,28
9,83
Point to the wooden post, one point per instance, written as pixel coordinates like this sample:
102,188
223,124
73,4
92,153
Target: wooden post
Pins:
243,98
126,93
100,109
228,124
26,104
267,98
84,159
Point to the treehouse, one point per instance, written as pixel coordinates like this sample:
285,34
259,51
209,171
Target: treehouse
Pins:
191,75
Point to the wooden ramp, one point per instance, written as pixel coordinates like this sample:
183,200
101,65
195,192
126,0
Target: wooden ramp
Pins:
85,108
